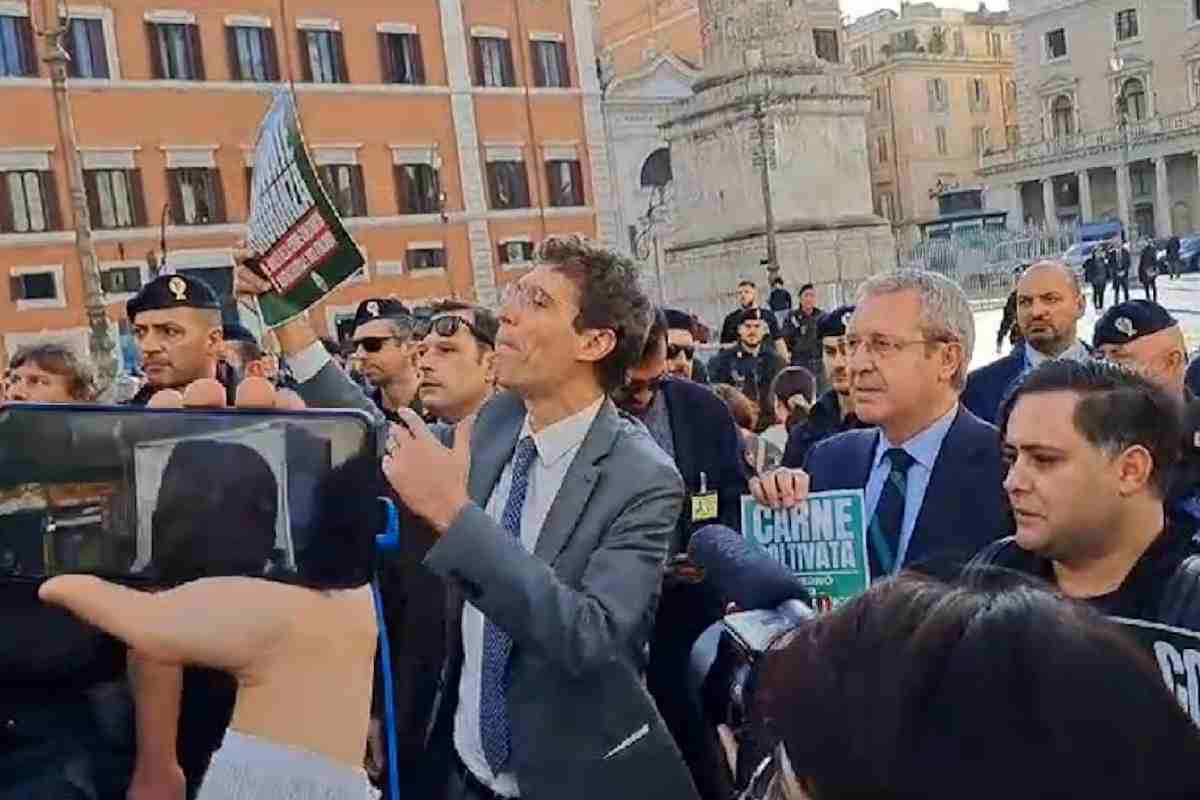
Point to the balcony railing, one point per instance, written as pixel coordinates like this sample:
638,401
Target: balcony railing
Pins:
1135,134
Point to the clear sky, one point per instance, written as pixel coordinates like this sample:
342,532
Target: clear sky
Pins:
858,8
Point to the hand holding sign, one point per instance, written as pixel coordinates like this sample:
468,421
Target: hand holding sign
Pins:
782,488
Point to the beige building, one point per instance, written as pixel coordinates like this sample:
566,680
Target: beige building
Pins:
1109,125
941,94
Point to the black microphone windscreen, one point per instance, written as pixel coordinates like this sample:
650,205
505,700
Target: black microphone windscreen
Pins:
740,572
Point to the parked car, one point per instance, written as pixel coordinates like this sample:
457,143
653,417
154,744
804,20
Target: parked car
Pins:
1078,253
1189,252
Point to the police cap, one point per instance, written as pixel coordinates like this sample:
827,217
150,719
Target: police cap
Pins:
1129,321
834,323
172,291
381,308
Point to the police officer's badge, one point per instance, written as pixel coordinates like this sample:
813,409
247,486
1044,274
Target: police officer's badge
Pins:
846,318
373,308
1125,326
178,287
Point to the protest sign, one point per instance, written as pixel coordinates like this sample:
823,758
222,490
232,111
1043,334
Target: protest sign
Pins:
303,248
1176,651
823,541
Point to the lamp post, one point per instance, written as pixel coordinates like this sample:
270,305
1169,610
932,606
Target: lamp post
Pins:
646,241
1124,211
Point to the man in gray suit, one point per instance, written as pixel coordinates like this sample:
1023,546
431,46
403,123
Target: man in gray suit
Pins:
551,517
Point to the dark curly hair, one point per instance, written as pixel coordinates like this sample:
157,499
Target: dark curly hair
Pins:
610,298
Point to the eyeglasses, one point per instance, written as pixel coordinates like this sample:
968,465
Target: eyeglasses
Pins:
373,344
883,346
448,325
673,351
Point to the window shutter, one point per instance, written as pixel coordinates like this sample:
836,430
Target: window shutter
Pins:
93,198
477,53
553,184
403,190
95,31
175,193
305,57
231,48
387,63
139,196
339,55
68,40
418,60
26,46
16,288
493,180
522,178
358,190
577,181
249,174
6,215
197,53
271,53
156,65
564,64
539,69
50,201
217,187
508,71
502,251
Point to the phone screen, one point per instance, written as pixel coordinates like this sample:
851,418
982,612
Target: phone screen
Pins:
160,497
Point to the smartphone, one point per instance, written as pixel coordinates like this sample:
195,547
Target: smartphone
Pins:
158,497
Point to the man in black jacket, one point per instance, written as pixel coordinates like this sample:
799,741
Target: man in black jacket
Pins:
801,336
752,363
1091,450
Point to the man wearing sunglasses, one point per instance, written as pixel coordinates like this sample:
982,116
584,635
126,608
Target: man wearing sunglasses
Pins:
384,339
457,360
681,347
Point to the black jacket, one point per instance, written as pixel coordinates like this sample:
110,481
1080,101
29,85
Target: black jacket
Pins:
751,374
800,334
729,328
824,421
225,374
1162,587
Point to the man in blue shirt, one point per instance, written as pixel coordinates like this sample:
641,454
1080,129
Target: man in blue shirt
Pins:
932,471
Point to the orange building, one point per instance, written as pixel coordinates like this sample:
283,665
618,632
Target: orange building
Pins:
453,135
636,31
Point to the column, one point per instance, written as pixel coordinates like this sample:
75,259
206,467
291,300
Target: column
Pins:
1162,199
1123,206
1016,205
1048,206
1086,213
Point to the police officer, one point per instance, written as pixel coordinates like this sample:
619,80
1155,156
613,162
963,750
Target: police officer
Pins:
752,363
834,411
176,322
1144,336
384,342
801,336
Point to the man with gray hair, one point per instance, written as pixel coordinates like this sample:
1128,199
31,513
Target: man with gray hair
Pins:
931,471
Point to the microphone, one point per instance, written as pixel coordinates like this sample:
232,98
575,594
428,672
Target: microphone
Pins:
737,571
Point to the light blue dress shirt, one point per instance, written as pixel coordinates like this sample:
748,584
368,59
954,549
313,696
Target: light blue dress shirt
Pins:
924,448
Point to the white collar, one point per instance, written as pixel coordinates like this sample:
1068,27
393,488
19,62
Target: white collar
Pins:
555,441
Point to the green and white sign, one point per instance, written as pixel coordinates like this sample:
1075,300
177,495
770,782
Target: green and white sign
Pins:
823,541
304,250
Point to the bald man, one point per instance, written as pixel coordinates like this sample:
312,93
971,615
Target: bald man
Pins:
1145,337
1050,304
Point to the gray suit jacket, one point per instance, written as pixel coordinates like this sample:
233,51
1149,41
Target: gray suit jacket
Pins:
579,610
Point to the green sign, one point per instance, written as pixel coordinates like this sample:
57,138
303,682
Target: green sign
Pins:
303,248
823,541
1176,651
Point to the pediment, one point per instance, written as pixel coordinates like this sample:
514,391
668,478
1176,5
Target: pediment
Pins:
1057,83
665,77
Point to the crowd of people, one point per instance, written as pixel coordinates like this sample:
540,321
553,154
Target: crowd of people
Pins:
552,460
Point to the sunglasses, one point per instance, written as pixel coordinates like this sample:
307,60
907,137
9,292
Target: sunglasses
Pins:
373,344
448,325
673,351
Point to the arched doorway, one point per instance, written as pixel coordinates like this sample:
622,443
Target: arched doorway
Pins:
656,169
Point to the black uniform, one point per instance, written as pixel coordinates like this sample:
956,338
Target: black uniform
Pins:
804,343
729,328
750,373
825,420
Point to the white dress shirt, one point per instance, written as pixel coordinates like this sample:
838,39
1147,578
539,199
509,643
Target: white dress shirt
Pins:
556,446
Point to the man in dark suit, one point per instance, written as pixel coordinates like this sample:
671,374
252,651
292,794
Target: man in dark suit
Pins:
1050,303
696,430
552,516
932,471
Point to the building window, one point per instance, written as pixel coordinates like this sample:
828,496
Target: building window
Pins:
1142,181
87,49
882,149
1010,94
904,41
550,65
825,40
940,135
197,196
37,286
1012,135
28,202
418,190
1062,114
252,55
1133,100
18,56
323,57
115,198
860,60
565,179
175,52
887,206
344,185
426,258
516,252
403,61
939,99
1127,24
995,45
980,100
121,280
980,135
508,185
1056,44
493,62
960,43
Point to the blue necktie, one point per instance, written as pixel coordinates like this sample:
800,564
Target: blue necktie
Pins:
494,729
888,521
